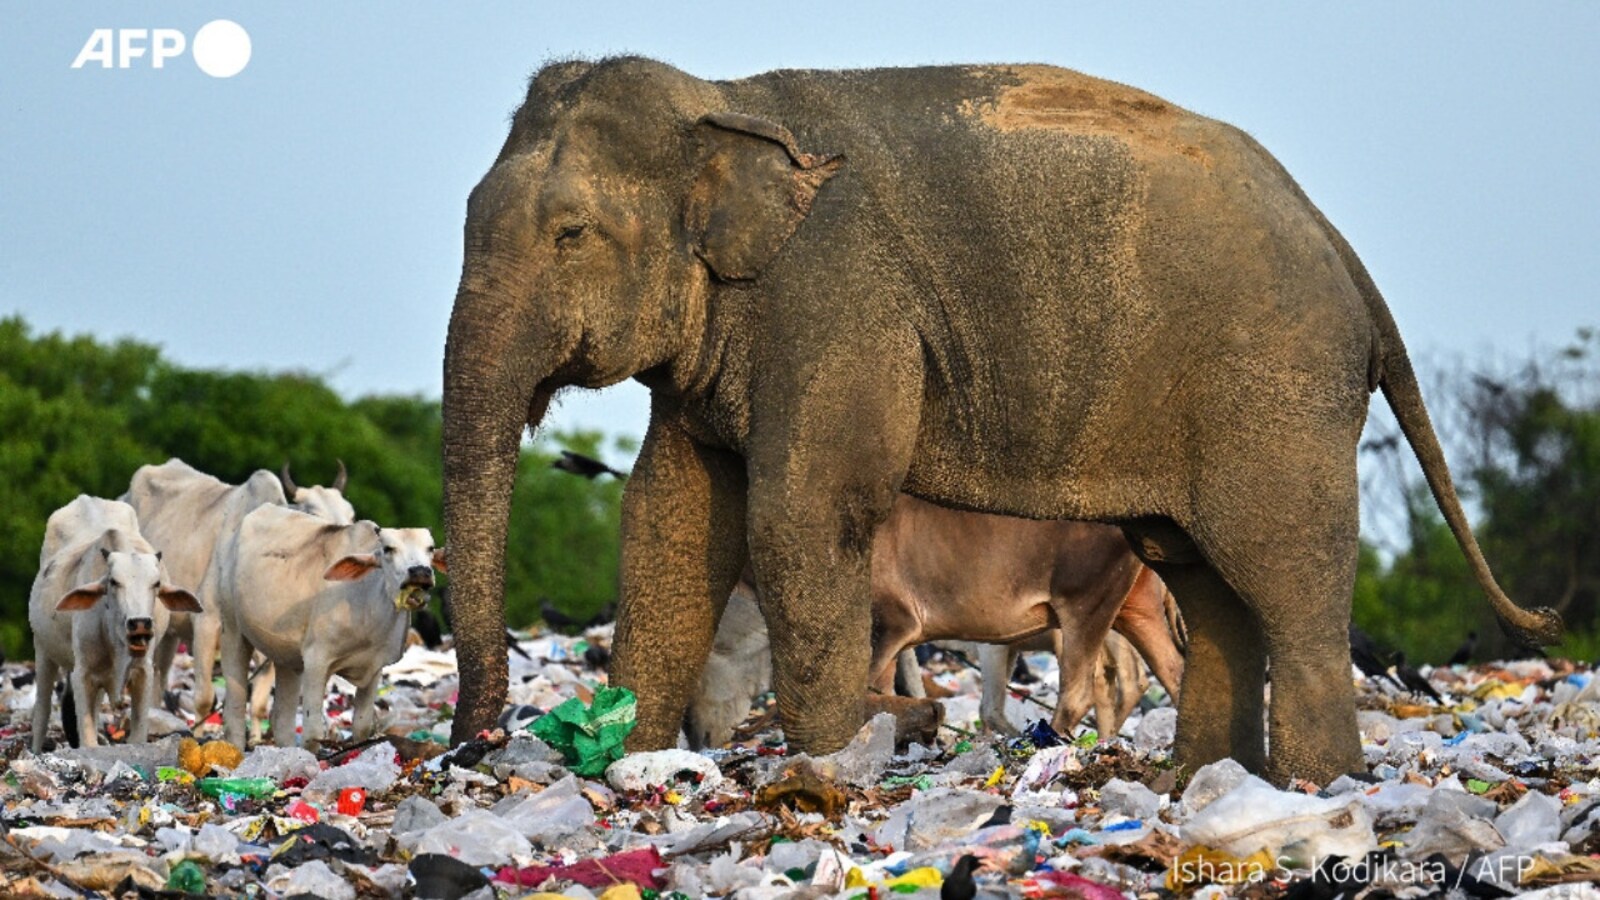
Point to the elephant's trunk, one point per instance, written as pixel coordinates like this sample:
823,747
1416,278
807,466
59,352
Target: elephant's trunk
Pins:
492,390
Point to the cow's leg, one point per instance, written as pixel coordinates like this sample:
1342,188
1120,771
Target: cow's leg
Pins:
236,679
285,705
161,665
313,700
138,688
365,720
995,662
44,691
1108,684
261,699
908,674
86,695
207,637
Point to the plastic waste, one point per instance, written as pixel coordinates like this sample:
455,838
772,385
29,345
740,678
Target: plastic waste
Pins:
253,788
441,877
374,770
1256,816
862,761
318,880
187,877
589,737
551,814
278,764
352,801
416,814
1209,783
936,817
200,759
1129,799
1157,729
1447,827
637,867
476,836
680,769
1533,820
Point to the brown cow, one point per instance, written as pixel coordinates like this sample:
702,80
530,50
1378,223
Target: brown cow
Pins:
941,574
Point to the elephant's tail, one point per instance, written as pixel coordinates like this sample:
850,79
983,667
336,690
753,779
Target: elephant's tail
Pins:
1533,627
1390,369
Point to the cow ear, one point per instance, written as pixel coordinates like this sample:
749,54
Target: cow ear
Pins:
753,190
438,561
351,567
82,598
179,600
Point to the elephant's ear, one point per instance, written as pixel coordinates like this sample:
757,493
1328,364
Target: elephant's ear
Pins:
753,190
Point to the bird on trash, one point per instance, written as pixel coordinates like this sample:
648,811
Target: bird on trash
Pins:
958,885
585,466
1463,654
1413,680
1364,653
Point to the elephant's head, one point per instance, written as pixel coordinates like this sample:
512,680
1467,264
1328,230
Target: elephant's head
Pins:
625,192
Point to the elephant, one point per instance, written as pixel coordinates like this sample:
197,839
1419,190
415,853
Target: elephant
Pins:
1008,289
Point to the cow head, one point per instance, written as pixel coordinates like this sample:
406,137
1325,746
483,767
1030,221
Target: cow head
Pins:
323,502
133,584
405,561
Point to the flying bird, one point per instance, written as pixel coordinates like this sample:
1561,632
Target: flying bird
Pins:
585,466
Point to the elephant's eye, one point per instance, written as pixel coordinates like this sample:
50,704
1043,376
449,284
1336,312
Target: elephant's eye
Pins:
569,235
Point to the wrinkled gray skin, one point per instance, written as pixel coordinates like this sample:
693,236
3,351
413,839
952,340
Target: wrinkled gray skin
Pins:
1016,290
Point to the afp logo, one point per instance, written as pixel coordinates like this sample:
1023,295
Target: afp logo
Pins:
220,48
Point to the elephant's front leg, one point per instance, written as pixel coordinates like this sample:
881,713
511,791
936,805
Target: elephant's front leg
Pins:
683,546
825,467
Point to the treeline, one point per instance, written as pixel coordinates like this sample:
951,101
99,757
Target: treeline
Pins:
79,416
1523,439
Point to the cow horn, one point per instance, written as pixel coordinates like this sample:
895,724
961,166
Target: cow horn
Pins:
288,482
338,483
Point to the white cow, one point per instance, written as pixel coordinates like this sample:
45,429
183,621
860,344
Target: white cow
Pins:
317,599
99,601
188,514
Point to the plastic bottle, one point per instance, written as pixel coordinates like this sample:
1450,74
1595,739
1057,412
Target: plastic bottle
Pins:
242,787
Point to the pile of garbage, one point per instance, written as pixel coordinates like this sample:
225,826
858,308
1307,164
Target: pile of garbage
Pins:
1492,791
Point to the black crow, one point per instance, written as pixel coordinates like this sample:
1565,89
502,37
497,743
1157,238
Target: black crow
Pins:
585,466
1413,680
1463,654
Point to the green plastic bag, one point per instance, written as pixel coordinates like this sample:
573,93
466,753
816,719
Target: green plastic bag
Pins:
589,737
187,877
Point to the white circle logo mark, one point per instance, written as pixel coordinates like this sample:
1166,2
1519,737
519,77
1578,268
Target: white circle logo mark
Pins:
221,48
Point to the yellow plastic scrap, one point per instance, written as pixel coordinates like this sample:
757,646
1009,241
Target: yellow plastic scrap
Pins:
198,760
1203,865
625,891
1497,690
1040,826
855,878
999,773
925,877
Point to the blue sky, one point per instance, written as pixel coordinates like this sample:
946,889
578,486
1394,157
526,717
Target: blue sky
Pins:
307,213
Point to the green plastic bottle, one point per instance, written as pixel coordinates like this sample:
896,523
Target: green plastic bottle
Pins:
241,787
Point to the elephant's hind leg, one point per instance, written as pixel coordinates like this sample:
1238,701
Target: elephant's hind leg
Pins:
1220,705
1291,559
